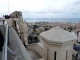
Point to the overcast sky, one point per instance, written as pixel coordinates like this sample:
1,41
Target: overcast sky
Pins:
42,8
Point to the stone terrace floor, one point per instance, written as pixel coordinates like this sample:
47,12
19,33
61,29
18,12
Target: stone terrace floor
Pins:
34,55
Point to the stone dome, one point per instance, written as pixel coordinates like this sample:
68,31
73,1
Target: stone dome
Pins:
57,35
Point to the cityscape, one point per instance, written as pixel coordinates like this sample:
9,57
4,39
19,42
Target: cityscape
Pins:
38,40
40,30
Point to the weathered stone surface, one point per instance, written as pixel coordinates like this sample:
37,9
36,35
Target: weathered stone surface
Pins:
57,35
17,46
16,14
34,55
59,41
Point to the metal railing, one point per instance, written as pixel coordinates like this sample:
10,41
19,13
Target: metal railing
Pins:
4,52
75,53
5,46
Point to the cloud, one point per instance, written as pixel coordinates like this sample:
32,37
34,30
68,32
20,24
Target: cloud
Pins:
42,8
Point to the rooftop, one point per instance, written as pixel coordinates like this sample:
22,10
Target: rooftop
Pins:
57,35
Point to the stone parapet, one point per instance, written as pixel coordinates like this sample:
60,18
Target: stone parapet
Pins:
17,46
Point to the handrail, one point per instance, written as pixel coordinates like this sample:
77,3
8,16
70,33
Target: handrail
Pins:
4,52
74,53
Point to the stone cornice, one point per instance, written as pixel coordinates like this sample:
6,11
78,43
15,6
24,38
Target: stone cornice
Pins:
57,43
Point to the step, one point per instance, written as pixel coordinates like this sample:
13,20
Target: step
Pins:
41,59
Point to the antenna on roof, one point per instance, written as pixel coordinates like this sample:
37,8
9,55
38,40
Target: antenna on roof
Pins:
8,7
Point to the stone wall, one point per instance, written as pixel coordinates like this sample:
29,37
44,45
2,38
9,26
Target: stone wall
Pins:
62,52
17,46
36,47
16,14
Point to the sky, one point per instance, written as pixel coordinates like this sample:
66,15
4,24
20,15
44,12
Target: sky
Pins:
42,8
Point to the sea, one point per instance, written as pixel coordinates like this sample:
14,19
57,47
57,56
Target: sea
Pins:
72,20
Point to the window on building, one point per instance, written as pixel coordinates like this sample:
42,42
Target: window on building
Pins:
55,55
66,54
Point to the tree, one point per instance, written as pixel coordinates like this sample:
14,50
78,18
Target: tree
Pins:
70,28
64,28
34,27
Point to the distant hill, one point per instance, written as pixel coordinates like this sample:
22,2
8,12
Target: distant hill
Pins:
53,19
